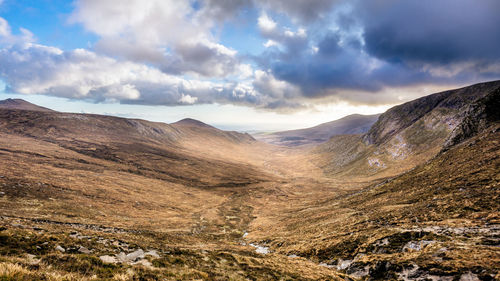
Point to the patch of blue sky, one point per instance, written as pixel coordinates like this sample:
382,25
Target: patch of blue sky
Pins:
242,34
48,21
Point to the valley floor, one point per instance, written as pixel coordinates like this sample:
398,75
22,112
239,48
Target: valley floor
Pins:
260,212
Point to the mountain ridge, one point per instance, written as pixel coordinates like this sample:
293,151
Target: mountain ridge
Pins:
412,133
350,124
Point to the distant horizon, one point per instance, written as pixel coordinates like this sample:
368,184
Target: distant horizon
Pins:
57,104
48,102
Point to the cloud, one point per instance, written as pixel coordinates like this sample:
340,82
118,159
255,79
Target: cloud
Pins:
4,28
170,34
82,74
266,24
266,83
8,38
187,99
300,10
373,46
271,43
288,42
426,31
173,52
222,10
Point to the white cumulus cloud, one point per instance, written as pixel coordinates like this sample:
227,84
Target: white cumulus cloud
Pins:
169,34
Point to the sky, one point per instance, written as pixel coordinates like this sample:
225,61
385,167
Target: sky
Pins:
244,65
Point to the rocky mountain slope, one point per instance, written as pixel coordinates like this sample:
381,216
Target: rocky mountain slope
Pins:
352,124
412,133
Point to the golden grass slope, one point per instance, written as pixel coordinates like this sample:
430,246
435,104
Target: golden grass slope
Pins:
204,200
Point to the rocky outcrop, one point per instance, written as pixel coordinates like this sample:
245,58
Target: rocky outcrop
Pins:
457,102
477,117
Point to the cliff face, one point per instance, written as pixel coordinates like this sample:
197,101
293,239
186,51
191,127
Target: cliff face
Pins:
477,117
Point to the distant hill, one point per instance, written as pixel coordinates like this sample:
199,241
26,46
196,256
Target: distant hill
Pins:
21,104
195,127
352,124
159,150
191,122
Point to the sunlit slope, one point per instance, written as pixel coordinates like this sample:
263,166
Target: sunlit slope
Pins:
352,124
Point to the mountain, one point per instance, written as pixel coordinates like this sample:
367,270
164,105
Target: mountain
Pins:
21,104
352,124
412,133
445,108
191,123
157,149
196,126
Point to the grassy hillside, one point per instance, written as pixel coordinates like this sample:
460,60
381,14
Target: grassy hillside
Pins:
89,197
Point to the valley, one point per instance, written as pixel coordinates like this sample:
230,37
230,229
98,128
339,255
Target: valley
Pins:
411,194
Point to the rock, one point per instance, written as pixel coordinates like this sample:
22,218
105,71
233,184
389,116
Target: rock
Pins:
260,249
326,265
84,250
60,249
32,259
143,262
152,253
132,257
139,254
359,272
417,245
343,264
469,276
122,257
108,259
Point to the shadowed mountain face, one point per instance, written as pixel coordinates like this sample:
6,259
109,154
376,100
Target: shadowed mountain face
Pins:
450,106
352,124
413,197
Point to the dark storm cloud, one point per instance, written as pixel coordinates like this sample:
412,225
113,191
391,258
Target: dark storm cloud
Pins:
329,45
389,43
436,32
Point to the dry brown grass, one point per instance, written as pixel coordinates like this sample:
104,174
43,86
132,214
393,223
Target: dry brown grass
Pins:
192,193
